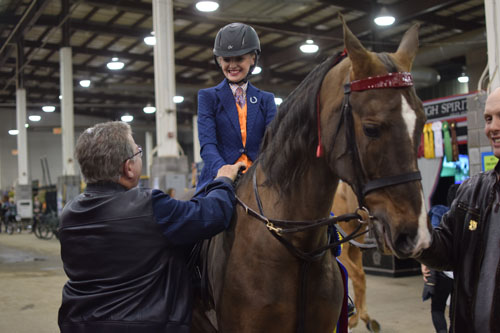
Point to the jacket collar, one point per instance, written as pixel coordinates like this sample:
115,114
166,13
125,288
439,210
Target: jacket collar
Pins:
226,97
105,186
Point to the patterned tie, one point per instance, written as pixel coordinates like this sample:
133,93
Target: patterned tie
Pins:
240,99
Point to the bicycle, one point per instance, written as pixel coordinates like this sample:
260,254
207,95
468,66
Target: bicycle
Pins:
46,226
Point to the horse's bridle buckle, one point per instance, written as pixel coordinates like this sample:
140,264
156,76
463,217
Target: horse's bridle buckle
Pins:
271,227
365,215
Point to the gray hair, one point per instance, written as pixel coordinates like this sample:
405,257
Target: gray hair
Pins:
102,149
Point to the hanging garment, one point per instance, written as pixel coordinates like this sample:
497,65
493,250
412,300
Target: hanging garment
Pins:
454,141
438,138
429,141
421,147
447,141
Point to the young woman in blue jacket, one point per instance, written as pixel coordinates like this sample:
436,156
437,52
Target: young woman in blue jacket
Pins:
232,116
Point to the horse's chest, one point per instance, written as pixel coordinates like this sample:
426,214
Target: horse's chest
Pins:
267,300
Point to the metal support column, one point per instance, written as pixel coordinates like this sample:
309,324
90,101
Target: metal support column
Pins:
492,13
22,137
67,117
164,64
169,170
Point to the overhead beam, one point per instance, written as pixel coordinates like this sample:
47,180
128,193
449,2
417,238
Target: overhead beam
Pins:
125,5
405,11
130,56
27,22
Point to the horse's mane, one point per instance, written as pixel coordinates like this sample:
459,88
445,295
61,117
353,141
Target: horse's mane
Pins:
291,138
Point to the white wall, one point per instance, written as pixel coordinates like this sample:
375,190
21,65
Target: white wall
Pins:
43,143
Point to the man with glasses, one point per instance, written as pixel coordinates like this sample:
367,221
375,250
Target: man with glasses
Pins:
125,249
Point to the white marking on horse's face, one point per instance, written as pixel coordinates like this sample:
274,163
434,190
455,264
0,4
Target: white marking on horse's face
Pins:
409,116
423,236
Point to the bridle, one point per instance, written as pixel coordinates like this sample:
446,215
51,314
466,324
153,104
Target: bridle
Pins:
361,188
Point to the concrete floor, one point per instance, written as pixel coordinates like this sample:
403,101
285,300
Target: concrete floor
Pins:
31,280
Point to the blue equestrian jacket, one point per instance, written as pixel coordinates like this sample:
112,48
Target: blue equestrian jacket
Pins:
219,126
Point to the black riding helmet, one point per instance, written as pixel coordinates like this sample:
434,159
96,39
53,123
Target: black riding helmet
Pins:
237,39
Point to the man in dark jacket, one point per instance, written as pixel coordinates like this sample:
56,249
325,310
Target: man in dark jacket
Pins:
125,249
467,242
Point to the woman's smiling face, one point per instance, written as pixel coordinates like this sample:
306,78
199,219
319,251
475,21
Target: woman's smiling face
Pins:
236,69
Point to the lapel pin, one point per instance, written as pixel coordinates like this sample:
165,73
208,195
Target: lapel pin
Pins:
472,225
253,99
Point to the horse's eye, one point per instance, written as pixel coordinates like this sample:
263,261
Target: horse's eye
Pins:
371,131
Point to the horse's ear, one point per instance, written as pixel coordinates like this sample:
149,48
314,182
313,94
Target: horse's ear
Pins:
408,47
357,53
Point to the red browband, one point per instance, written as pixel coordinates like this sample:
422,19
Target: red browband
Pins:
391,80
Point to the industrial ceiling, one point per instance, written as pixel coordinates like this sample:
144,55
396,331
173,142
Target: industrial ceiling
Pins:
32,32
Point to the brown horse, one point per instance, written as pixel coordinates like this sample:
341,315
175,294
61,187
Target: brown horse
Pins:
263,277
351,256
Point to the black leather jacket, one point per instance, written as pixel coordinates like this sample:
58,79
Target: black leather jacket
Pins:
458,244
124,274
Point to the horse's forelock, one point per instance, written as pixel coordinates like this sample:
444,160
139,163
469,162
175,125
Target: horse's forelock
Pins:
370,66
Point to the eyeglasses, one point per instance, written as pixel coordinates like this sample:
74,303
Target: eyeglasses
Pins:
139,152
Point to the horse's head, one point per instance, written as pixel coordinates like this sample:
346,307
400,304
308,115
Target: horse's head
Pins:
377,140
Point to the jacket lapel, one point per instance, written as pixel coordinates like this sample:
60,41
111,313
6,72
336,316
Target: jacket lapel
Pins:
226,97
253,102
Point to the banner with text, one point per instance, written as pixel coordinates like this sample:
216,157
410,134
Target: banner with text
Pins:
446,107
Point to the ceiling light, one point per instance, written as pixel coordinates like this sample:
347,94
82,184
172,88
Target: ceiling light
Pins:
48,108
309,47
178,99
85,83
115,64
150,40
149,109
257,70
13,132
60,97
26,125
384,18
463,78
278,100
207,6
127,118
34,117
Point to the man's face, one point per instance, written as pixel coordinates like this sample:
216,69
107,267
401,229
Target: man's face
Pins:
492,121
236,69
136,162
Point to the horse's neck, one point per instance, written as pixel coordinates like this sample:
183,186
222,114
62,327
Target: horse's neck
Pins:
310,198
